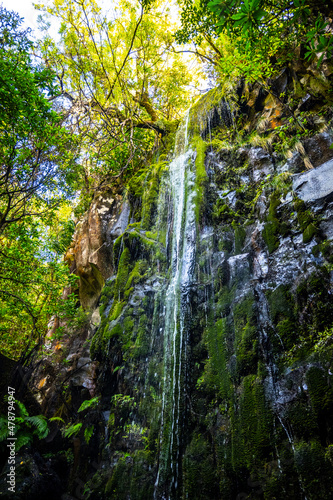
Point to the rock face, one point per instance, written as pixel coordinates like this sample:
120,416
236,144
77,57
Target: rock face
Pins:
91,256
315,184
209,341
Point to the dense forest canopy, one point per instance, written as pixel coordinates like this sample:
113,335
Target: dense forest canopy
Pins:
89,109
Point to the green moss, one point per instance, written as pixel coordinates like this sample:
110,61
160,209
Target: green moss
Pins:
122,273
281,303
321,394
128,324
270,234
309,232
117,247
272,229
325,248
132,477
274,202
143,189
314,470
116,331
100,341
142,341
240,235
306,220
252,425
151,235
282,311
199,111
246,338
199,469
135,275
117,485
302,418
201,175
116,310
149,202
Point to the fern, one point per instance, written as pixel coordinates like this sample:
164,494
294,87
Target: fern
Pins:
57,419
23,438
22,408
89,403
88,432
72,430
40,422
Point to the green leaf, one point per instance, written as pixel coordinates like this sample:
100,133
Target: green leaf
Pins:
88,432
259,14
57,419
89,403
72,430
40,422
238,16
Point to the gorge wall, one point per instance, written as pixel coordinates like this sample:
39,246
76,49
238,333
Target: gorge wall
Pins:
205,357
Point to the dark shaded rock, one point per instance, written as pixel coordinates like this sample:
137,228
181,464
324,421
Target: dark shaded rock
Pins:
318,148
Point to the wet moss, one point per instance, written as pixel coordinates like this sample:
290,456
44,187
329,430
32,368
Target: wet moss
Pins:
282,311
306,220
320,392
116,310
314,470
309,232
252,425
201,178
271,235
273,228
142,342
240,235
200,479
302,419
135,275
122,273
246,338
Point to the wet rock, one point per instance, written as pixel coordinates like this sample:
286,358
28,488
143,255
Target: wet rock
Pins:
315,184
121,223
261,163
294,165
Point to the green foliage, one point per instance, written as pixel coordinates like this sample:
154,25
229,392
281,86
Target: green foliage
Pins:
255,38
89,403
26,427
121,104
35,151
32,280
274,227
88,432
72,430
37,174
199,469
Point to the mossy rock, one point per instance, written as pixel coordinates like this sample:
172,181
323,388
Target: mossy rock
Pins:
270,234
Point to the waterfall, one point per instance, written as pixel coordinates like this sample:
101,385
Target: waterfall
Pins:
183,253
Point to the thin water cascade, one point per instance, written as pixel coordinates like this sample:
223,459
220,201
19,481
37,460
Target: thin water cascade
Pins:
183,254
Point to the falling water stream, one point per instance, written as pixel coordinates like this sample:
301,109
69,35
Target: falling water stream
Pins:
183,253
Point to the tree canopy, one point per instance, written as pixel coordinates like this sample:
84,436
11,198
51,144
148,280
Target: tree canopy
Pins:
121,79
256,38
37,174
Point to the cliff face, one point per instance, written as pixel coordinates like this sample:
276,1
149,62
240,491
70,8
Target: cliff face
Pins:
209,340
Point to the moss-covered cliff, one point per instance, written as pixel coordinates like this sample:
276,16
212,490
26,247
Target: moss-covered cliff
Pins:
209,339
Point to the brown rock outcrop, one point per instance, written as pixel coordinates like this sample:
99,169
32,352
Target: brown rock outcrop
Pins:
91,255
